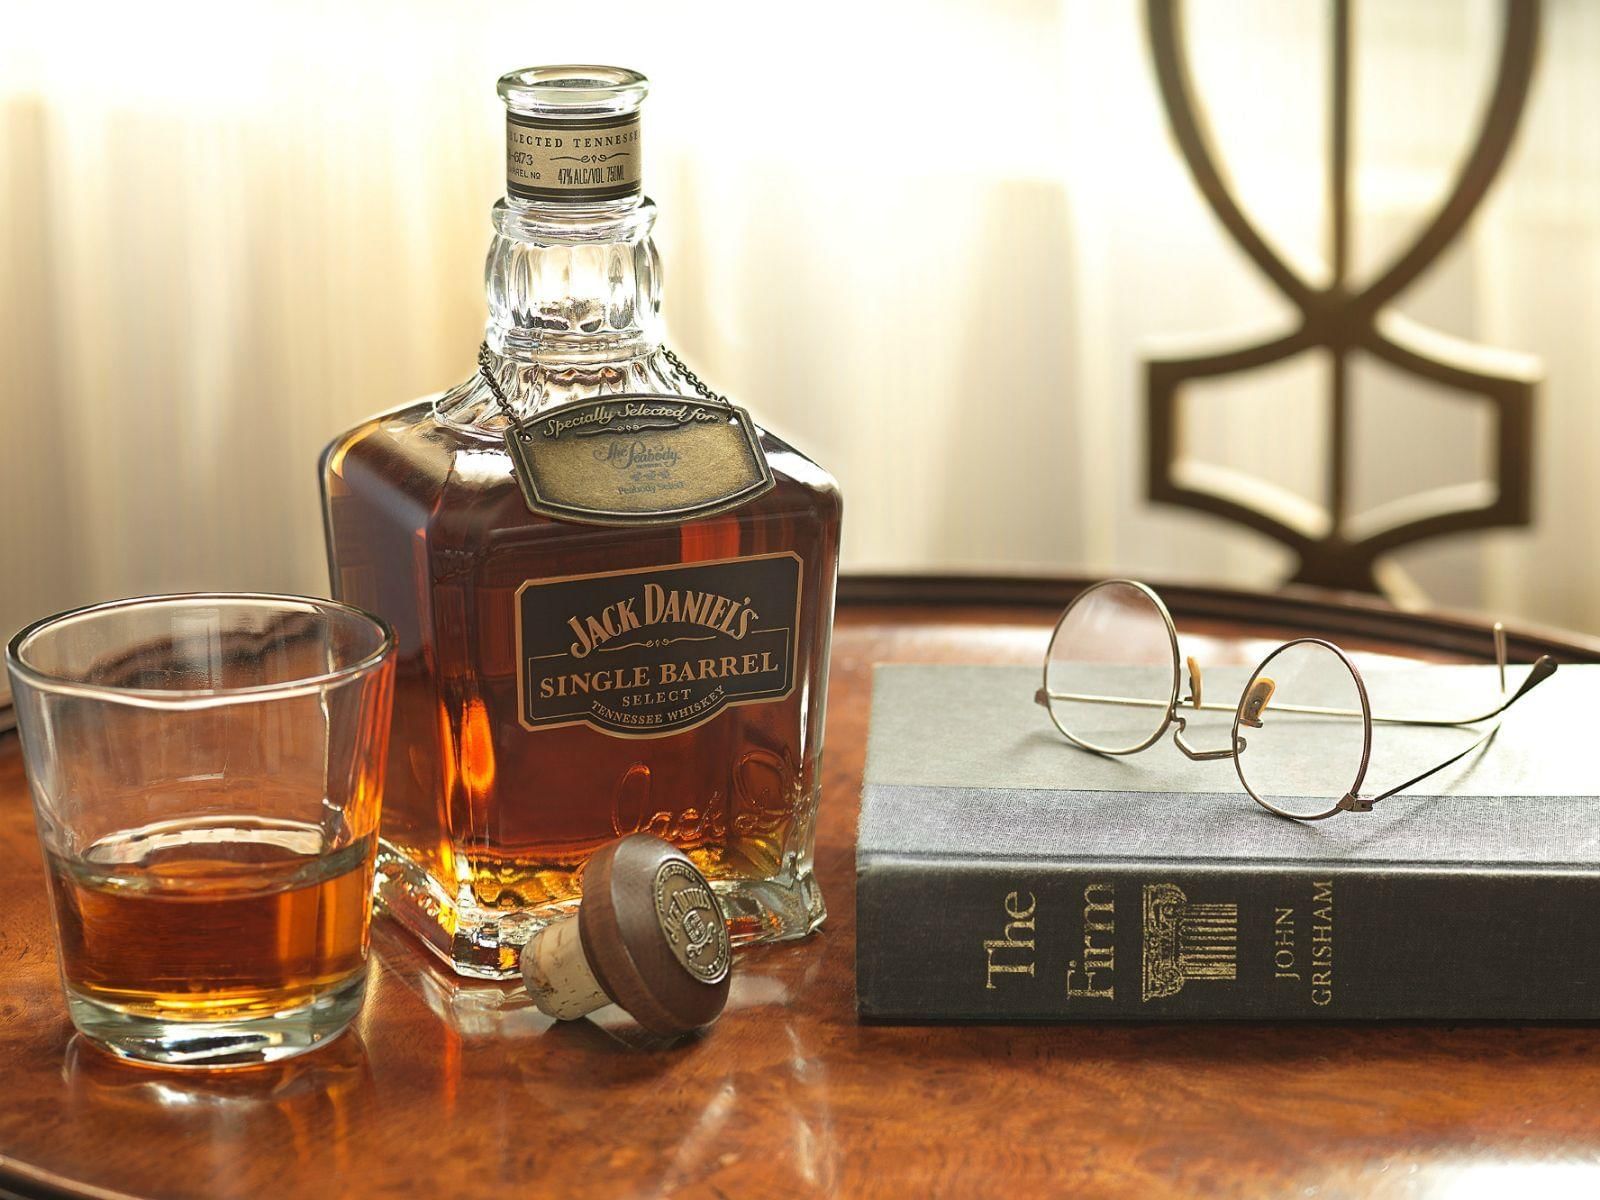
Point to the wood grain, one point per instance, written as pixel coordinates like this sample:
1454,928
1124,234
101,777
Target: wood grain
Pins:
451,1087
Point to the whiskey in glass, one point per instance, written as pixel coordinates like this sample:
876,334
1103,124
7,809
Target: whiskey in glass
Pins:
207,774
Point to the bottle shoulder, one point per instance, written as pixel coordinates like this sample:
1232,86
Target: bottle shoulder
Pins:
463,473
795,467
420,431
394,430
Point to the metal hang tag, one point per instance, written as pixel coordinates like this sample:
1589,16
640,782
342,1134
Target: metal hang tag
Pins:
638,459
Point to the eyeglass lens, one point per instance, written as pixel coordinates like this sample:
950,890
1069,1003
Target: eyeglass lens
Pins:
1302,763
1112,669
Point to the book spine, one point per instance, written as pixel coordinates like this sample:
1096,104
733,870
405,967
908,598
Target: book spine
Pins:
1151,940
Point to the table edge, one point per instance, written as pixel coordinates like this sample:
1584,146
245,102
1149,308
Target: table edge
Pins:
1291,607
24,1182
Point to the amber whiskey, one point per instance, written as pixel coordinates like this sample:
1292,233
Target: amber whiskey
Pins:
238,919
613,592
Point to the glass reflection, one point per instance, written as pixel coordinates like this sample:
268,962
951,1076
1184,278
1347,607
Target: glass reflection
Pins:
310,1103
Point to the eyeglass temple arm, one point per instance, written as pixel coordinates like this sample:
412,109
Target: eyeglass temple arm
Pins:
1543,668
1365,803
1043,697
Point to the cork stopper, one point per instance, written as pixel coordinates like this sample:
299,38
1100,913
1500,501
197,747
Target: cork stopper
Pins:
649,936
572,134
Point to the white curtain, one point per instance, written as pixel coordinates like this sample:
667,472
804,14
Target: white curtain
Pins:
928,242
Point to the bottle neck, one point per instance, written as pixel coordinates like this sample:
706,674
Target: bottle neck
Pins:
573,279
573,286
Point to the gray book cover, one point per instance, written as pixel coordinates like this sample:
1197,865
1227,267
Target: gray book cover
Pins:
1004,873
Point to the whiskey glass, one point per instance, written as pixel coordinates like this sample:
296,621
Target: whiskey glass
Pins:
1301,737
206,773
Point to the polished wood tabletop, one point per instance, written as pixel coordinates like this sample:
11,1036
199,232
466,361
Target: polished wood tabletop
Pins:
449,1087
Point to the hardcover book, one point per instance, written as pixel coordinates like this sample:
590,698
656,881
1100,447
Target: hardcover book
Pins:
1005,874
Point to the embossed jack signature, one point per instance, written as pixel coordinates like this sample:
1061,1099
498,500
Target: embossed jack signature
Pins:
1333,315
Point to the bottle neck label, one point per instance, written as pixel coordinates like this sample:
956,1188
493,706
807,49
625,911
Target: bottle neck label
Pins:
572,161
638,460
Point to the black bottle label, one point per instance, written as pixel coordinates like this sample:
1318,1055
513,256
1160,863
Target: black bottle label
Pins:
658,650
638,460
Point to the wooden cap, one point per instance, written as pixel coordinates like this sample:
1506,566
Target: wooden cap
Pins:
654,934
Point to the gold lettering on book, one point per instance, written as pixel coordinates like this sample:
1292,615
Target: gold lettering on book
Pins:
1322,942
1283,949
1011,940
1091,977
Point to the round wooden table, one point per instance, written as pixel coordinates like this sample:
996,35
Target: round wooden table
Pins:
450,1087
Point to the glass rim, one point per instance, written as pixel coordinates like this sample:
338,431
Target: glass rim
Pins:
161,697
573,89
1160,606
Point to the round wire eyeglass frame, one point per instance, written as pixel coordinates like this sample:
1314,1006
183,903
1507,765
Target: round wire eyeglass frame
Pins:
1255,701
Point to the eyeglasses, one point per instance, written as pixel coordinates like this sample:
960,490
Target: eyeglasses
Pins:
1111,683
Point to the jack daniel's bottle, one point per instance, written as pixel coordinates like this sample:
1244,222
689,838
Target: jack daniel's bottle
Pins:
613,593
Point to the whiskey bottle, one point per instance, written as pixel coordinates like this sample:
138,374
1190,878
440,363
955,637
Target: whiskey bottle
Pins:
613,592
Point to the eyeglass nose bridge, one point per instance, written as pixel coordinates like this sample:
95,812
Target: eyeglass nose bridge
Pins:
1197,755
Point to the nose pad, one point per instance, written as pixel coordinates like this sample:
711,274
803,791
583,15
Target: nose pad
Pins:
1256,701
1194,681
